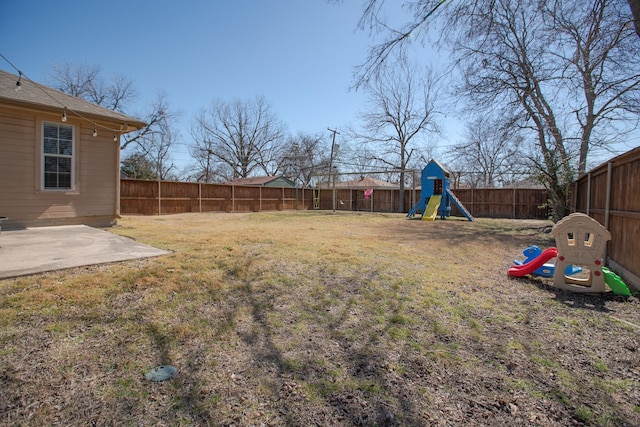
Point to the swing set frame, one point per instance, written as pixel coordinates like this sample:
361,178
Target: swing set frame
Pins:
331,184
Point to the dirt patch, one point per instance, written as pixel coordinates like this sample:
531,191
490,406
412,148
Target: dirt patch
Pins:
317,319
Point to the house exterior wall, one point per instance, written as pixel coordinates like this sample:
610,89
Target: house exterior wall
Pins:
94,198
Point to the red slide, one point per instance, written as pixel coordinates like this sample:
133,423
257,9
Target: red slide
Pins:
533,265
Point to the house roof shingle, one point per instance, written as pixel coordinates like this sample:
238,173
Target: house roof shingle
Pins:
37,96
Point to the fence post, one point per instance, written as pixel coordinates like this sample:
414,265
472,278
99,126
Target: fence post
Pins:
472,199
607,206
413,189
200,197
588,201
514,203
371,203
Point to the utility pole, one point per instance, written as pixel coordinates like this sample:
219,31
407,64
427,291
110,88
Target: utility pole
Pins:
333,175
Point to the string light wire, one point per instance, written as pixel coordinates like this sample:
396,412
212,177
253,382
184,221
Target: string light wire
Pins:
19,86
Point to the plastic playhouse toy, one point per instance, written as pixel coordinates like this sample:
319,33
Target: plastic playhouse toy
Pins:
535,263
531,254
580,240
615,283
581,243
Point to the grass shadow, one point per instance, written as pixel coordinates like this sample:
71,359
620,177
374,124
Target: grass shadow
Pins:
586,301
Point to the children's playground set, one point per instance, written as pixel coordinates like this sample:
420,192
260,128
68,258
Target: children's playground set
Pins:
581,241
436,195
579,266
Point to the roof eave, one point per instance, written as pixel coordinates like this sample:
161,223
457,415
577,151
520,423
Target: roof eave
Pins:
126,126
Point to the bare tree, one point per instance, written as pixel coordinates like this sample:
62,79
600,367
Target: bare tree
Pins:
360,158
242,136
567,68
87,82
372,19
271,156
635,11
205,167
305,158
564,68
401,112
74,80
489,154
157,147
156,118
599,64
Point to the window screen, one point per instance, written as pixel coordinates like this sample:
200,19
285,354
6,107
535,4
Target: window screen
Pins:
57,149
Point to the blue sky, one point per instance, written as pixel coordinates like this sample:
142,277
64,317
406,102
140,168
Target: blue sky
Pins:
299,54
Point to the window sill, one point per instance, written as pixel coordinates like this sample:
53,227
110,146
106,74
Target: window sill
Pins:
59,192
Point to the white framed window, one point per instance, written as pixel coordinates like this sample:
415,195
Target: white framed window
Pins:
57,156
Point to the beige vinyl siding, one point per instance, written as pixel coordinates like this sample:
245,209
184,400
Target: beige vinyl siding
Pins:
22,199
97,172
17,153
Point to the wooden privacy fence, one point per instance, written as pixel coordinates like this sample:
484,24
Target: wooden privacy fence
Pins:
516,203
143,197
355,199
610,194
482,203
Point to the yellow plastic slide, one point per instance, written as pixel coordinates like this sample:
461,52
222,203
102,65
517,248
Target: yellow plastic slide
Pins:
431,210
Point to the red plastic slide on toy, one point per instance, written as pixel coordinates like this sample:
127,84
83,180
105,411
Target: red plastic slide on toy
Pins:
534,264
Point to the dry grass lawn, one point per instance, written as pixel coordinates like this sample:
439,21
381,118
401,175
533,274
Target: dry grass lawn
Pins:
317,318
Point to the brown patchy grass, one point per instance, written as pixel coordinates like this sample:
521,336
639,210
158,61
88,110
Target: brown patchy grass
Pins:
304,318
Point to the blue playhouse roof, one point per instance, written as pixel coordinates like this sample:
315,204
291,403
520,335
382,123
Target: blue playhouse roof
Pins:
435,168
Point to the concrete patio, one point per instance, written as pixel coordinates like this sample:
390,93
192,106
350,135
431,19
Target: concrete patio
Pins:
42,249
